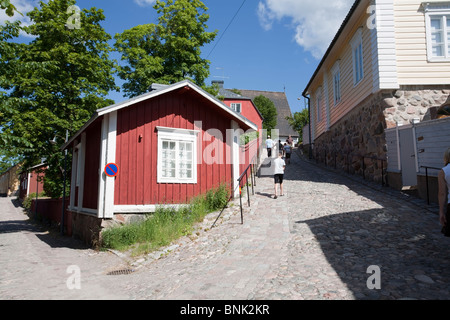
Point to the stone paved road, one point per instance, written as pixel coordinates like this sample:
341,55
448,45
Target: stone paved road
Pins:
316,242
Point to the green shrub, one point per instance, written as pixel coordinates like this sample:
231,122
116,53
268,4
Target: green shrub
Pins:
165,225
27,201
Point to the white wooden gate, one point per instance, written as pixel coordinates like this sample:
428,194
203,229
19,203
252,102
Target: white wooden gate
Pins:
411,148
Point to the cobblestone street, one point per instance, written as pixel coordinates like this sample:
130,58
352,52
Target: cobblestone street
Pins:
315,243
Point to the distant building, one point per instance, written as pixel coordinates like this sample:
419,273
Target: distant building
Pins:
278,98
9,182
32,181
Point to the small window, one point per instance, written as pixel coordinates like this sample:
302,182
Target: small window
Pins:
177,156
358,57
236,107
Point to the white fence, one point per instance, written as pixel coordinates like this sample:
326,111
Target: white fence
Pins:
411,148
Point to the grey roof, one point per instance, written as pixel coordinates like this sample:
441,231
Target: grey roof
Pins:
228,94
281,103
157,90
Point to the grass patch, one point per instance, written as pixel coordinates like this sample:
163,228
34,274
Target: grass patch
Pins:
165,225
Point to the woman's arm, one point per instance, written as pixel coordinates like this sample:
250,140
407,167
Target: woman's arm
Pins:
442,198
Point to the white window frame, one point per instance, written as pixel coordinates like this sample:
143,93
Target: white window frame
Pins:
319,105
237,107
337,91
177,136
357,57
438,10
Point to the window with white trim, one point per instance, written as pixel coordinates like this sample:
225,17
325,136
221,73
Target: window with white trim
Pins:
336,72
237,107
358,57
177,156
438,35
319,104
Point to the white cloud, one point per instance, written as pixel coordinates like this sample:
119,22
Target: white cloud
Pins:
144,3
314,22
23,6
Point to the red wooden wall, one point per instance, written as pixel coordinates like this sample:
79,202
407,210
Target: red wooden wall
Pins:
92,164
248,110
137,158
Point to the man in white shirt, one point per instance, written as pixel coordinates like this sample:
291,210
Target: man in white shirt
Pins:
280,166
269,146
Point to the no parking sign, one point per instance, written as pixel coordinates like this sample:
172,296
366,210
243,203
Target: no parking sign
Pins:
111,170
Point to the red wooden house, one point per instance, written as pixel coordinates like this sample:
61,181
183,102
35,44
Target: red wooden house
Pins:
245,107
170,144
32,181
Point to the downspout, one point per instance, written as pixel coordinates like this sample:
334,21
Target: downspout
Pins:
309,125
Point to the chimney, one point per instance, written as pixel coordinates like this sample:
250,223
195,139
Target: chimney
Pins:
220,83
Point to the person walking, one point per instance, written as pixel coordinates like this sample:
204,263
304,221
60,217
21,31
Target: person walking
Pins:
290,141
444,194
280,166
288,151
269,146
280,147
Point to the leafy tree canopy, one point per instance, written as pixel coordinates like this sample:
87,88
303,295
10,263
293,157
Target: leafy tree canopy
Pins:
8,7
54,83
268,110
298,121
167,52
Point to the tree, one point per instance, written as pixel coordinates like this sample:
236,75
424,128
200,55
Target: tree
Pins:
8,7
268,110
55,82
167,52
298,121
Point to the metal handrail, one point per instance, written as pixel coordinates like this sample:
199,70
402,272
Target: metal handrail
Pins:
428,187
250,167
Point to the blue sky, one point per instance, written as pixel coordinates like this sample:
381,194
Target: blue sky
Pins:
272,45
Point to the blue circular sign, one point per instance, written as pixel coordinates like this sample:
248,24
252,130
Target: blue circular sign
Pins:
111,169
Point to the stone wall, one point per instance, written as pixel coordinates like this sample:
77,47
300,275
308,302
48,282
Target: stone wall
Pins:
412,102
357,143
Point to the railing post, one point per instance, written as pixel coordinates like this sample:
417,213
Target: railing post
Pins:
252,177
428,190
248,193
240,200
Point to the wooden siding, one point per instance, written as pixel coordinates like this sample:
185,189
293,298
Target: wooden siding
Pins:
411,47
351,95
137,157
248,110
92,170
433,139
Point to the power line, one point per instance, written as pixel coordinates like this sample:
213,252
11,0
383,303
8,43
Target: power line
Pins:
229,24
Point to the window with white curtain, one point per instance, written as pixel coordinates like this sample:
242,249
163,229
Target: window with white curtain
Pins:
177,155
358,57
438,37
336,71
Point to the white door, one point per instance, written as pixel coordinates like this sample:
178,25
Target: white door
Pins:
408,157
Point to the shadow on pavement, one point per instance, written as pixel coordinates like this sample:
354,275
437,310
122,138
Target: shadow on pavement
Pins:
45,233
403,240
413,258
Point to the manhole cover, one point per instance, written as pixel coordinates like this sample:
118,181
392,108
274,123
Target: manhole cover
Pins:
121,272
